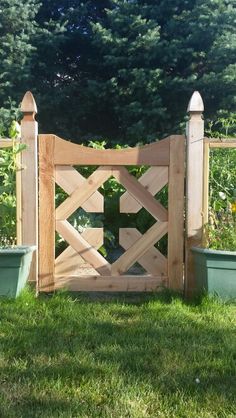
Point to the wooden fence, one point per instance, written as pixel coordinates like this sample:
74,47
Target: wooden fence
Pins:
166,160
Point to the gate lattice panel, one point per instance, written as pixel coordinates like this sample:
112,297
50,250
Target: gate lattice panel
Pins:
56,160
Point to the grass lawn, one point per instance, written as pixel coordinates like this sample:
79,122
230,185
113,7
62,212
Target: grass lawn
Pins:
123,357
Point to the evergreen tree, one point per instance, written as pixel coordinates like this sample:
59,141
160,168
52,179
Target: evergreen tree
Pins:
17,28
118,69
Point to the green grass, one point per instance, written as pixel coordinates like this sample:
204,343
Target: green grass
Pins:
126,357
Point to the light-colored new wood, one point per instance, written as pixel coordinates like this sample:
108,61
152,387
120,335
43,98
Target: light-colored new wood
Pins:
205,181
46,213
67,153
69,262
140,193
112,284
81,195
153,261
29,179
194,188
69,180
85,250
139,248
220,143
18,200
176,213
8,142
153,180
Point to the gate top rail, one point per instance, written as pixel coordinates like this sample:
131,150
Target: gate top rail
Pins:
154,154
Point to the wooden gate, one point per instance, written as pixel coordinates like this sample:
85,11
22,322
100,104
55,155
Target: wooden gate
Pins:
166,165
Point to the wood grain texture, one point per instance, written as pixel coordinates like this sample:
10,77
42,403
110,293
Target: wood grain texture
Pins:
112,284
19,202
220,143
69,180
194,195
8,142
205,181
69,262
46,213
85,250
80,195
67,153
29,186
139,248
176,213
153,180
138,192
153,261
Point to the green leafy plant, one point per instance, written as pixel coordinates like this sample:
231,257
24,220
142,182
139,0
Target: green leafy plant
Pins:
220,232
8,168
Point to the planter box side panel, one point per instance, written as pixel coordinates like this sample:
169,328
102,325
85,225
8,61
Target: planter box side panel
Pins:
215,273
200,272
24,271
9,277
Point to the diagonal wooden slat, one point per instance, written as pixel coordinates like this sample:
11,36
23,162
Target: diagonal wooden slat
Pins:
153,261
81,194
69,179
139,192
139,248
153,180
70,262
86,251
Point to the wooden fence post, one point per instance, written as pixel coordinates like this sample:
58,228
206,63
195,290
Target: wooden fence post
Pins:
194,186
29,180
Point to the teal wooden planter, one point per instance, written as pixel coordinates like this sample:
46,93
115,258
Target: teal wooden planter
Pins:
14,269
215,272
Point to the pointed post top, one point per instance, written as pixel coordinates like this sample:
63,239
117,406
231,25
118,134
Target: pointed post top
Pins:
28,105
196,103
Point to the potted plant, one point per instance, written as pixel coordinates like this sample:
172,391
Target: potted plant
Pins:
215,262
15,262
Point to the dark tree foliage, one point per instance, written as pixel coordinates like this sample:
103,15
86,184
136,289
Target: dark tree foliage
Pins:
121,69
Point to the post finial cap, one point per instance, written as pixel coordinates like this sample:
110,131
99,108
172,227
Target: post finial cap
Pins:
196,103
28,104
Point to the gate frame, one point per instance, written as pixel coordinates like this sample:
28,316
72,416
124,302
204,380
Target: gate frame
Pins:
54,152
27,179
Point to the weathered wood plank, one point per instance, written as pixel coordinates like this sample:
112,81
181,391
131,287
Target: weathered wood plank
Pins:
85,250
153,180
69,180
46,213
153,261
139,248
67,153
112,284
140,193
80,195
176,213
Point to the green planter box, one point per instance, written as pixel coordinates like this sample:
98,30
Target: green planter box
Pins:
215,272
14,269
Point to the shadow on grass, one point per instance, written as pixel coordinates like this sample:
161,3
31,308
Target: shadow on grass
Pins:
57,351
